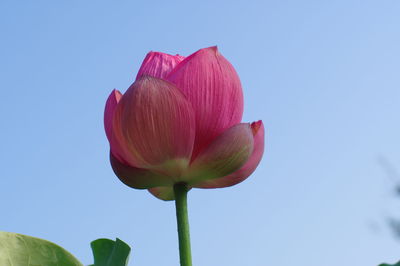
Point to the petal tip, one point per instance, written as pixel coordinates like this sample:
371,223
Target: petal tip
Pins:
115,95
255,126
211,49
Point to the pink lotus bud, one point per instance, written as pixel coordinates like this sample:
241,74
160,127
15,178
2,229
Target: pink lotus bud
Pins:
180,122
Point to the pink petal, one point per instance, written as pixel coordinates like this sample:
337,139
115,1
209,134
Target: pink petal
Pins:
111,104
163,193
227,153
154,125
158,65
137,177
213,87
248,168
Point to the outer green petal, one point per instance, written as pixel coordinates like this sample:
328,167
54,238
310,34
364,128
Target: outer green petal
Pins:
247,169
137,177
227,153
163,193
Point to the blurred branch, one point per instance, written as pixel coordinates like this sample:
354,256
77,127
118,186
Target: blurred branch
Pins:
394,177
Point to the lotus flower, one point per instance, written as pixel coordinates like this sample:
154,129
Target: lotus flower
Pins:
180,122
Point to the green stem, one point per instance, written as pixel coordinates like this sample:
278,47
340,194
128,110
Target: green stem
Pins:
185,254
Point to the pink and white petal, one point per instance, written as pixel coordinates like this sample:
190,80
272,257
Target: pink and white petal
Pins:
111,104
137,177
227,153
158,65
212,86
163,193
154,124
247,169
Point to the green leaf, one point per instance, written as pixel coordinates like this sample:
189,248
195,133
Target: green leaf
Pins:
107,252
22,250
384,264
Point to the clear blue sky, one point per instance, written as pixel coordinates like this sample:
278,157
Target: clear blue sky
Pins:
322,75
